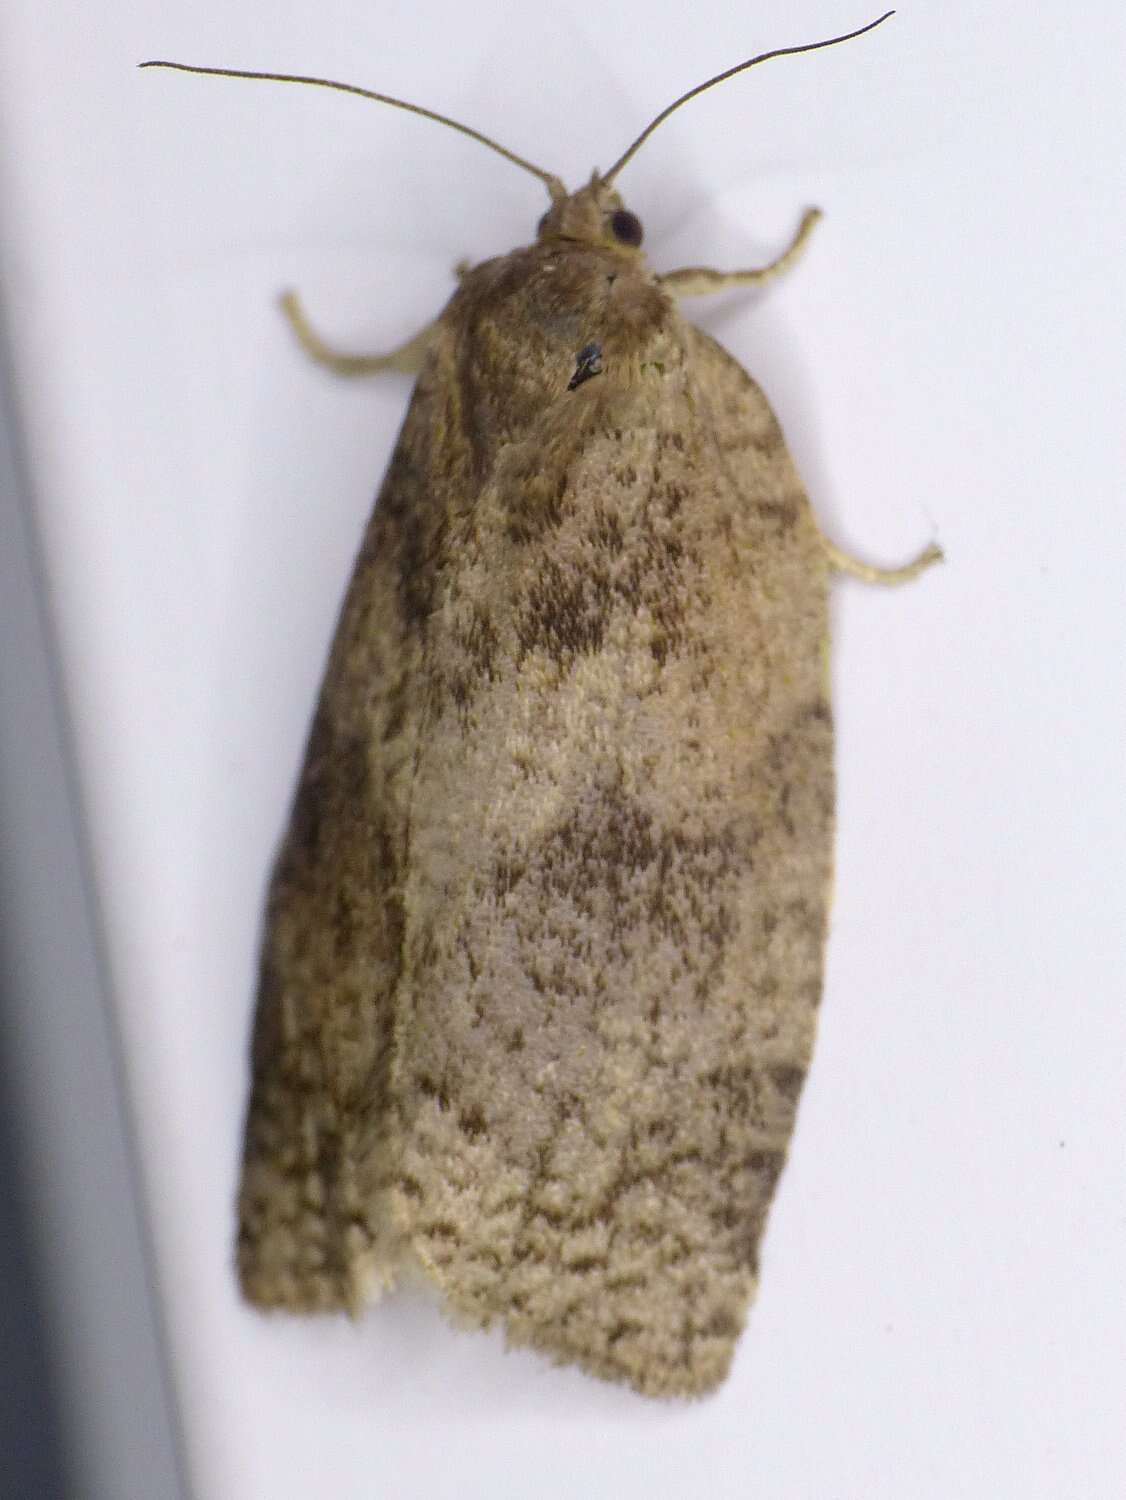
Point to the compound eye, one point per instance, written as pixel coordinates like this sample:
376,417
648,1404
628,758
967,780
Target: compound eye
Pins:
626,227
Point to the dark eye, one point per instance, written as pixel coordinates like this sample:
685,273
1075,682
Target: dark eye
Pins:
626,227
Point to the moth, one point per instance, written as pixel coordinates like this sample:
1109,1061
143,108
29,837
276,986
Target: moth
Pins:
543,948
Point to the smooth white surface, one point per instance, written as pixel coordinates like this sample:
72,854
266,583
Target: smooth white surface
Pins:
942,1309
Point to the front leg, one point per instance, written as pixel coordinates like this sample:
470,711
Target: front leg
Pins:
407,359
696,281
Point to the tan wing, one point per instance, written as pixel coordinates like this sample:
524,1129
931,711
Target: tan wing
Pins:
309,1202
615,908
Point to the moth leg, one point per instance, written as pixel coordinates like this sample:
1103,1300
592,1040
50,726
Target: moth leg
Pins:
696,281
868,573
407,359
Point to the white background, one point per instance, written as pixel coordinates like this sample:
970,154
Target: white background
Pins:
942,1309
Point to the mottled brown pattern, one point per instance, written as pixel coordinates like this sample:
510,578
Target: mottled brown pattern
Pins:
544,944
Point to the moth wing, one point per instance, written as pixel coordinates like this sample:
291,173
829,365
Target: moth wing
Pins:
310,1221
620,857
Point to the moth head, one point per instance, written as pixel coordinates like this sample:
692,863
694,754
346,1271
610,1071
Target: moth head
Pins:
595,215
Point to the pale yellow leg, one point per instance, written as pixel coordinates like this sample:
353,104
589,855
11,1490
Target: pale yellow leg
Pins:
407,359
696,281
867,573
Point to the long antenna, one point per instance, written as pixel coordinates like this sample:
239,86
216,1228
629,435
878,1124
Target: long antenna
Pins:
722,78
553,184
